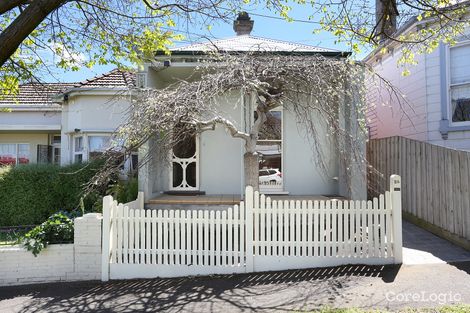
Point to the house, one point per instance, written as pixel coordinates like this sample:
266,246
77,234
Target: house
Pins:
212,162
64,123
437,93
30,125
91,111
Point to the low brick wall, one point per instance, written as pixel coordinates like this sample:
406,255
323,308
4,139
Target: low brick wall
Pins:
62,262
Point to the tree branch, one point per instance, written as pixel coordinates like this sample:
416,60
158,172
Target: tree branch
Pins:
24,24
6,5
210,125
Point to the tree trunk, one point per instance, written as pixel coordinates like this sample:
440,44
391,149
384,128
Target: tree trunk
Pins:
12,36
251,169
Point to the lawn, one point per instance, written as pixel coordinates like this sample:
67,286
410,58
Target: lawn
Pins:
461,308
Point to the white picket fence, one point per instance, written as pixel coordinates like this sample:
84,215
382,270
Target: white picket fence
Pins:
260,234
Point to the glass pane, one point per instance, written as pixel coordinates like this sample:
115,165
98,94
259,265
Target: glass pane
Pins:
56,155
7,154
460,64
78,144
56,139
23,153
460,97
191,174
186,148
270,163
272,128
99,143
78,158
177,174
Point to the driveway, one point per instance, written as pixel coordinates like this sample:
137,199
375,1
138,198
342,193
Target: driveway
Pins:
427,284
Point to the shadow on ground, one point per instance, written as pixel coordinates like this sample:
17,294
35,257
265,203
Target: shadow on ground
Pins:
270,291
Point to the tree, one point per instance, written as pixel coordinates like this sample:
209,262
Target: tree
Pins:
37,36
326,94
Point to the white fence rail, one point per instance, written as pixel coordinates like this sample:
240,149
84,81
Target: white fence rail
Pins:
258,235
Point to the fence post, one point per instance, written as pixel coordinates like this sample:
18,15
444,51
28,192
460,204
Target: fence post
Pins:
395,191
249,228
107,203
140,200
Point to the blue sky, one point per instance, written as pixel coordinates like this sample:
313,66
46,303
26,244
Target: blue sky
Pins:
299,32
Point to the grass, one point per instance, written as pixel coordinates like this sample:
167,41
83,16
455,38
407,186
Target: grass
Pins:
460,308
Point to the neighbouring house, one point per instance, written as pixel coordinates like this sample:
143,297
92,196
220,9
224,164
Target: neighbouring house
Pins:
437,93
64,123
91,112
212,162
30,125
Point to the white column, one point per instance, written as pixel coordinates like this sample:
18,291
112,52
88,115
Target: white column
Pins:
395,190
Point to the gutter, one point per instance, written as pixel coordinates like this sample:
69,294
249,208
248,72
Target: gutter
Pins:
63,97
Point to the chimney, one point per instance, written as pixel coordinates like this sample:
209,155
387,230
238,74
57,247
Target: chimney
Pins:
243,25
386,13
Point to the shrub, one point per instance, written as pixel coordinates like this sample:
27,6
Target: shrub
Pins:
31,193
58,228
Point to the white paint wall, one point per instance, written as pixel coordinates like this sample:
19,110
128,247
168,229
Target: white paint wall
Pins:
221,157
423,90
387,116
63,262
33,120
91,114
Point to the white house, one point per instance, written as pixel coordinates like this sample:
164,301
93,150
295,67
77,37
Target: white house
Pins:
63,123
212,163
91,111
437,91
30,125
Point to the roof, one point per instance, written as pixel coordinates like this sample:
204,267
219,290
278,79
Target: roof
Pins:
249,43
116,78
35,94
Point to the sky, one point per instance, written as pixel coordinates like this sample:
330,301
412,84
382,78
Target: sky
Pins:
266,24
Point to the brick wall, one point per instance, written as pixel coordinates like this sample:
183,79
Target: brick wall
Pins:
62,262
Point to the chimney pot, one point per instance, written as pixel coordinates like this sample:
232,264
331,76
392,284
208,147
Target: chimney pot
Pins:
243,25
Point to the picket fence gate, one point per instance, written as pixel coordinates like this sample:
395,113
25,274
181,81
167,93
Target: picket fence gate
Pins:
260,234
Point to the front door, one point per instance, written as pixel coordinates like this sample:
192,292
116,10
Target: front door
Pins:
184,174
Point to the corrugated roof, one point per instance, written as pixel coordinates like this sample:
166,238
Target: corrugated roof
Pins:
36,94
248,43
114,79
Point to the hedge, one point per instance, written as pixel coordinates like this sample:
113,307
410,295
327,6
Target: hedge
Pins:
29,194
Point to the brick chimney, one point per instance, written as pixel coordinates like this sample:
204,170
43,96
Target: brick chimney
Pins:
243,25
386,13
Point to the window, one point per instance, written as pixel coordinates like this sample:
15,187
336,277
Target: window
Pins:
97,145
13,153
78,150
459,79
269,148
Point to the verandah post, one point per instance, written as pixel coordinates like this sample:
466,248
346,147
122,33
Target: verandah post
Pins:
105,248
249,228
395,190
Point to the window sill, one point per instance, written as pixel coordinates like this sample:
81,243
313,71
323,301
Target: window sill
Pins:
445,128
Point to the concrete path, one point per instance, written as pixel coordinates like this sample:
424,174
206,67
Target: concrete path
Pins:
422,247
428,284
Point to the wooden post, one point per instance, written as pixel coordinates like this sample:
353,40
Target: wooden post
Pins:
105,248
395,190
140,200
249,228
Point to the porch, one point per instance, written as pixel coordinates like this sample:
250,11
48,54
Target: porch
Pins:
202,201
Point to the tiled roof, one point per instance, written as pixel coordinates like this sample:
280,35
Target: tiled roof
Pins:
114,79
37,94
245,43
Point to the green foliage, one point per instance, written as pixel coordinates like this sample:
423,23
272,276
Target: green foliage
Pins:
58,228
31,193
124,191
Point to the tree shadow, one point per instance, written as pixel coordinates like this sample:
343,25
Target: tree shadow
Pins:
267,291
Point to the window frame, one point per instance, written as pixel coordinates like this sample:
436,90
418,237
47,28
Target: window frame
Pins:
17,144
450,111
282,142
